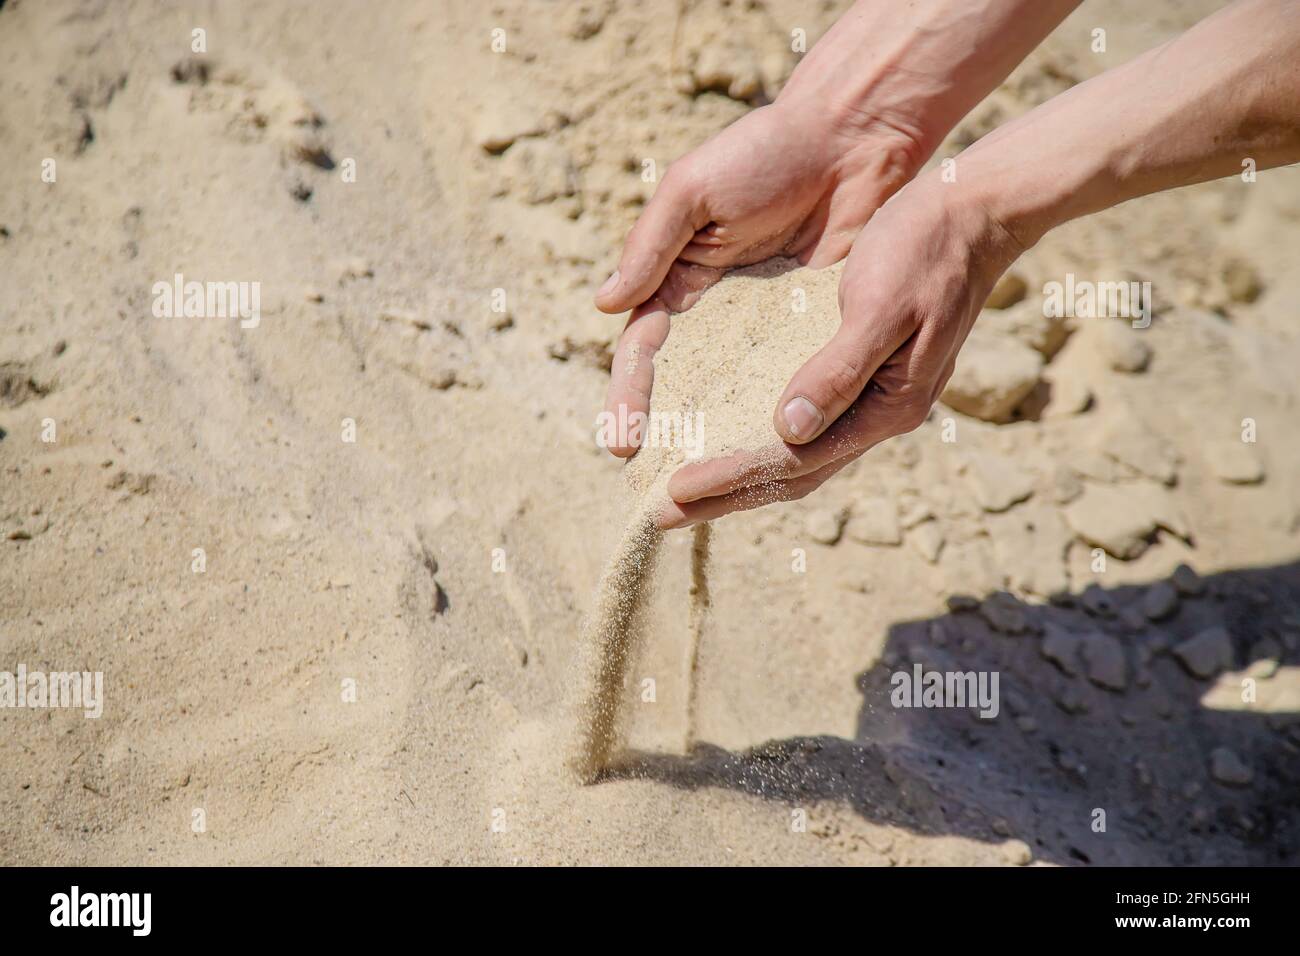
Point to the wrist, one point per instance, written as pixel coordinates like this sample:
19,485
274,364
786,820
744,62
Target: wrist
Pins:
1035,174
913,71
970,221
853,105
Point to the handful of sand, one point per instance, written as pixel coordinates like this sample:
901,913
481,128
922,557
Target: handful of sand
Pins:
726,362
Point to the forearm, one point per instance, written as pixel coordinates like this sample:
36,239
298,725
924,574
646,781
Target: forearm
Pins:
1191,110
918,66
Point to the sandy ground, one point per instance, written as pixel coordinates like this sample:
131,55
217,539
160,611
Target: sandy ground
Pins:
441,563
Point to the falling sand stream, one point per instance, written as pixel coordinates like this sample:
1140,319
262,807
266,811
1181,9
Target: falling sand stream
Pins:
726,362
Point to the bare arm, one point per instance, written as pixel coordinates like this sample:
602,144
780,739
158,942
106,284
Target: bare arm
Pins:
1191,110
919,66
801,177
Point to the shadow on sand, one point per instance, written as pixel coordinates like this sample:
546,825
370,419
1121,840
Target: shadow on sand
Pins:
1063,745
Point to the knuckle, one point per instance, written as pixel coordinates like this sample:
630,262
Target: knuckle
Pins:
850,299
843,379
677,181
912,416
904,410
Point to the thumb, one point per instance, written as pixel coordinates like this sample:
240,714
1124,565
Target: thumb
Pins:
669,222
831,381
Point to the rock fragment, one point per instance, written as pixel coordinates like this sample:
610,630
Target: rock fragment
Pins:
994,374
916,514
1241,281
1229,769
1010,289
1137,449
1113,519
1017,853
875,522
1004,613
1103,656
1206,653
1029,547
1061,647
501,123
825,526
1066,485
1025,322
927,538
997,481
1160,601
1096,601
1122,347
1070,394
1235,462
1070,698
1187,582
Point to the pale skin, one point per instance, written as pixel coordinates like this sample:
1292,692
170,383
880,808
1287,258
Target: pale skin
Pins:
827,171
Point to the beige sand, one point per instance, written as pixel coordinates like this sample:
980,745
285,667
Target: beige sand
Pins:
441,564
609,639
723,368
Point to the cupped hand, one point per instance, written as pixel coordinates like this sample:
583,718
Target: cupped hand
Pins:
912,287
780,181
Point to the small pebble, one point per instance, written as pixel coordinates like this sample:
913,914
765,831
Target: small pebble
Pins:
1160,601
824,526
957,603
1004,613
1017,853
1124,348
927,538
1097,602
1187,582
1229,769
1206,653
1242,281
1103,655
1010,289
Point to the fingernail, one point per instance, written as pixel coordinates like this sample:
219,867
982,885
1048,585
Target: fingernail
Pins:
610,284
802,417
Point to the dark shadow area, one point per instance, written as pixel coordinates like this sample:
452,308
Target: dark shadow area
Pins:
1100,708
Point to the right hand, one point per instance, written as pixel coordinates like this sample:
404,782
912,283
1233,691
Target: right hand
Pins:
779,181
911,290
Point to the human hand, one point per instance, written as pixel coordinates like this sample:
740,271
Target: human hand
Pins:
780,181
911,290
860,115
922,268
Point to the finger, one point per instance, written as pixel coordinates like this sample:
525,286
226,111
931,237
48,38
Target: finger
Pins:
669,221
831,381
726,253
876,416
827,247
806,240
714,234
679,515
684,285
829,234
744,469
631,376
776,462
